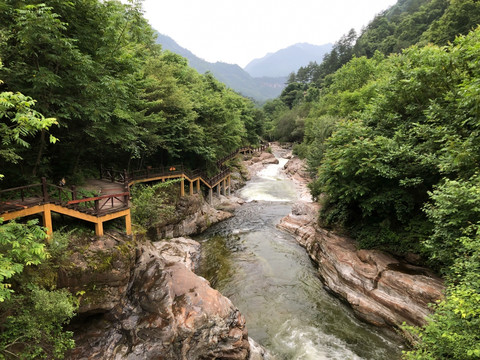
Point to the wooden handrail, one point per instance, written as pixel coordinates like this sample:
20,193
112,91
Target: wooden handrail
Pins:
20,188
50,193
150,172
78,201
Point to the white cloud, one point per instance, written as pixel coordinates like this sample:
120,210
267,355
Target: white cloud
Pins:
239,31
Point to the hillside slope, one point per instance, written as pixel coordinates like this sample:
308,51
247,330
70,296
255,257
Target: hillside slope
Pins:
259,89
288,60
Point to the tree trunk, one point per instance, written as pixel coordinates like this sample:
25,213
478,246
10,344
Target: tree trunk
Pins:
40,153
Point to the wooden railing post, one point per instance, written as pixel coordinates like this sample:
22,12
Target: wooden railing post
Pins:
44,190
74,196
125,197
97,207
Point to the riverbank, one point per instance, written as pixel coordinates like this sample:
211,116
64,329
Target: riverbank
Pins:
273,282
381,289
141,299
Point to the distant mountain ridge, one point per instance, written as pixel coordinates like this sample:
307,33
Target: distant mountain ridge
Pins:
259,88
263,78
288,60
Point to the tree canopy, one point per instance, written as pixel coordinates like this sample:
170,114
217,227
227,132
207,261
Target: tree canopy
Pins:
119,100
84,85
388,124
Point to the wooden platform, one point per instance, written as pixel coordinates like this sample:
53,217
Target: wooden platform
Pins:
112,202
111,193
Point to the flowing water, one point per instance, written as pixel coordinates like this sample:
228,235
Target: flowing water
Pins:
271,279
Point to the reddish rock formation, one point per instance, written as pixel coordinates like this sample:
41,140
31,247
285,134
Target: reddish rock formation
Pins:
381,289
167,312
194,215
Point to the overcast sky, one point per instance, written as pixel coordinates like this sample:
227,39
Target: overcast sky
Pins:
238,31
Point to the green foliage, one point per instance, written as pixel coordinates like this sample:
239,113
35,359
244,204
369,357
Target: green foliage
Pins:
459,18
394,144
152,205
19,121
453,332
454,208
317,131
416,126
290,125
400,26
20,245
118,98
31,317
273,109
32,322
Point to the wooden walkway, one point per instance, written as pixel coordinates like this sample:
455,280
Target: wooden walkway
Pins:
45,198
111,193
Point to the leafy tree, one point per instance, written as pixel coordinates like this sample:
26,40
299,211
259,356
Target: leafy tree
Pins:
399,27
18,121
452,211
459,18
152,205
21,245
79,61
341,53
120,101
32,324
290,125
273,109
292,94
453,331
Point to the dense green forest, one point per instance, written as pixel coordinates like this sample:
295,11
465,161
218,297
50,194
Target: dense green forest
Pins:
84,85
119,100
389,125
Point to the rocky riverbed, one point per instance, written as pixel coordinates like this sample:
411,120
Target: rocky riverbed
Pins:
142,300
381,289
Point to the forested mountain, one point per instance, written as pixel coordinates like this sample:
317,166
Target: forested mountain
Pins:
83,85
119,100
417,21
258,88
389,125
288,60
404,24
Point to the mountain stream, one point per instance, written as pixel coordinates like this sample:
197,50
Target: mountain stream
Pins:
273,282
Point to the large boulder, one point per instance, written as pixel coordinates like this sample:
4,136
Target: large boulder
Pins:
381,289
99,270
193,216
167,312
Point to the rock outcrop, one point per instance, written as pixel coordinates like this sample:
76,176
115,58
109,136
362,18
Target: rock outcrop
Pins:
164,312
251,166
257,162
381,289
193,216
100,269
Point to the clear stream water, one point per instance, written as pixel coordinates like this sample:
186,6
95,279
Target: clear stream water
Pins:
271,279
